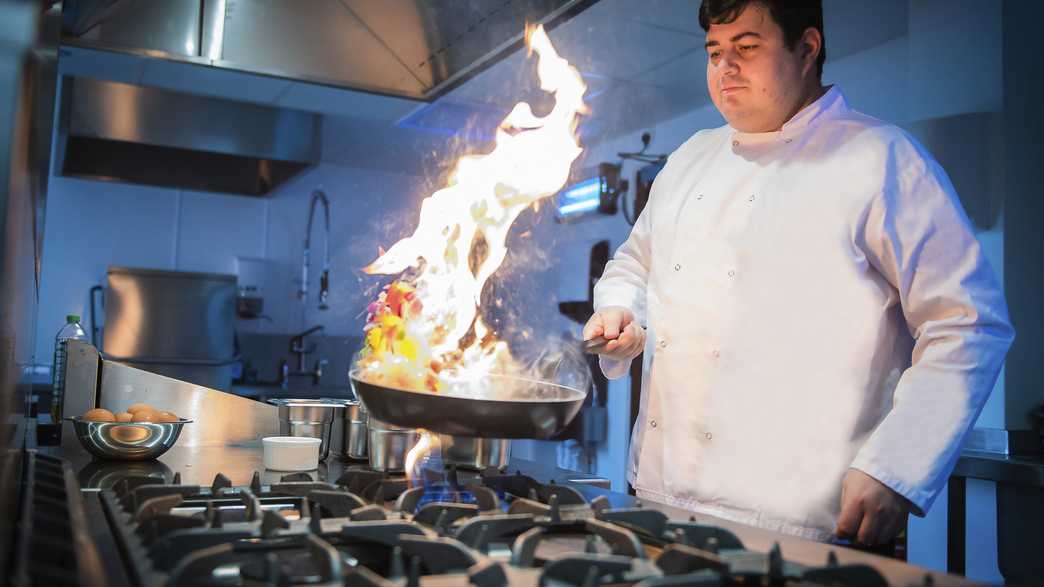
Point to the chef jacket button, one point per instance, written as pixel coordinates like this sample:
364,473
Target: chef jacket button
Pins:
788,141
677,267
735,143
752,197
652,423
708,435
663,343
732,273
715,353
699,196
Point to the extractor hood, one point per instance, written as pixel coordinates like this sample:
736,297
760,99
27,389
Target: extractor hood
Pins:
417,49
130,131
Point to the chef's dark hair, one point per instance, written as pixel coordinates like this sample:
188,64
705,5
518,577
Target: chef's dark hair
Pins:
793,16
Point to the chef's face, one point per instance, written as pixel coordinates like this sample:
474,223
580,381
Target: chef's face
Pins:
756,82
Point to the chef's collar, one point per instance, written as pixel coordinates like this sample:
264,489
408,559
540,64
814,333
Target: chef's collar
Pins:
826,106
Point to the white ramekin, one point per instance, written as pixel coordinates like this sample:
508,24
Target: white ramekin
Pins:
291,453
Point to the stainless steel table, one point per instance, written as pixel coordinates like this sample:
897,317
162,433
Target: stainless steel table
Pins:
1020,511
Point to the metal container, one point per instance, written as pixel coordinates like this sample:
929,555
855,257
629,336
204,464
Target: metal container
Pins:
389,444
475,453
173,323
134,441
307,418
355,432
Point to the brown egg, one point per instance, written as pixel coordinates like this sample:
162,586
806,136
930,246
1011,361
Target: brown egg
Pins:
146,410
145,416
140,406
99,415
130,433
124,417
168,417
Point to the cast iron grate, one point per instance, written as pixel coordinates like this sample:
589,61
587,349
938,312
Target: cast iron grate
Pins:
53,547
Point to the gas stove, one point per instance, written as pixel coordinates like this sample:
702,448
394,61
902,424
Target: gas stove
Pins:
448,528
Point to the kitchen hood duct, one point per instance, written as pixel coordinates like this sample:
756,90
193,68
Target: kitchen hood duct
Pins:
128,133
417,49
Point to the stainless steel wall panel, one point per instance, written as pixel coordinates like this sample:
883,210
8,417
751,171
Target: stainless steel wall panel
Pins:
28,53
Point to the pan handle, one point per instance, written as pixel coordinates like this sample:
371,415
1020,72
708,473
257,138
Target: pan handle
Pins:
595,345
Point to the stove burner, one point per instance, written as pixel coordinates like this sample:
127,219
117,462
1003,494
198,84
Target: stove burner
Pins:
357,479
413,499
338,504
320,564
373,529
292,568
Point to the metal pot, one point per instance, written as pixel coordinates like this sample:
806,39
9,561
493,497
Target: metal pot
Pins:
308,418
354,432
475,453
389,444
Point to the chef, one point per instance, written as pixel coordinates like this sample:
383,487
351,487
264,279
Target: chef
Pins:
819,324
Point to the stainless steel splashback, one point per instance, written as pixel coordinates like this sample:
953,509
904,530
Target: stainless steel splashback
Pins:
219,418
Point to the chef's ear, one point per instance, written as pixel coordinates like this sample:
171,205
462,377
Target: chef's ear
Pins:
810,45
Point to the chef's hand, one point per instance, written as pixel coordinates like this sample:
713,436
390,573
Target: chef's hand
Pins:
871,512
617,325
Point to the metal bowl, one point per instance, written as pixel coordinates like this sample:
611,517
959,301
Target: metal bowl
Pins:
127,441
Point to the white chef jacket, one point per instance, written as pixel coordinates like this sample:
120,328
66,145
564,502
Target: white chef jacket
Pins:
815,300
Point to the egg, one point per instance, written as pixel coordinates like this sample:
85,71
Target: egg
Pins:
168,417
124,417
145,416
99,415
130,433
140,406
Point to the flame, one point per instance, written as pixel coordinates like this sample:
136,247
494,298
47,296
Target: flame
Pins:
460,241
424,446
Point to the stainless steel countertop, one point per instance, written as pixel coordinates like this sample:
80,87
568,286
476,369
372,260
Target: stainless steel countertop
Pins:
199,465
1025,470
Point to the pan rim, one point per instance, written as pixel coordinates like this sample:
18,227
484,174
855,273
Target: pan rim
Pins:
577,393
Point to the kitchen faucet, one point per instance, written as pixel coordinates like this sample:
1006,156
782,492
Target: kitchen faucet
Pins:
324,281
297,347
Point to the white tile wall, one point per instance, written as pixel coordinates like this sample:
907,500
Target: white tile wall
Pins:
89,226
213,229
367,209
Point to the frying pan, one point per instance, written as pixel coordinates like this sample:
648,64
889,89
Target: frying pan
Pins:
508,407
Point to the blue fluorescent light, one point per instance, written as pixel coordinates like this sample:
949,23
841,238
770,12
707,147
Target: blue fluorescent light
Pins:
578,207
584,189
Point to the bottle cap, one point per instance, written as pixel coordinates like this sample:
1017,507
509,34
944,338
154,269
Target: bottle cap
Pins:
72,318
